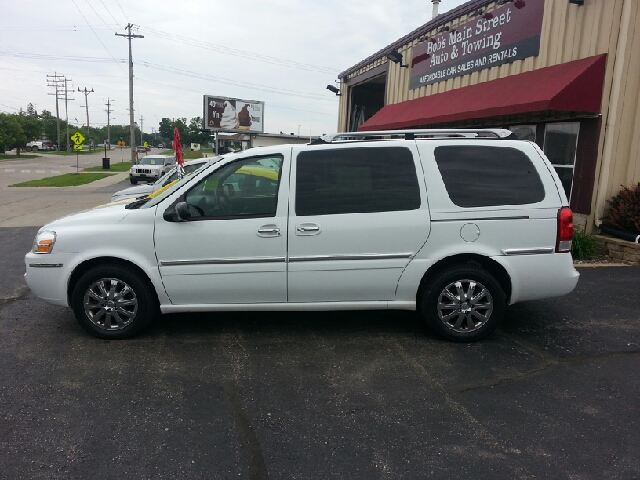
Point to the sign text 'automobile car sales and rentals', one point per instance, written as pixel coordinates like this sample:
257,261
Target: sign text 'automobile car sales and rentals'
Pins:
508,33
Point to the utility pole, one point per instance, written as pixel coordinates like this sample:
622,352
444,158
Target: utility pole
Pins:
108,104
132,128
56,83
86,104
66,107
141,129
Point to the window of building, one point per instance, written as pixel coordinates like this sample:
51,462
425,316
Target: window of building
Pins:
356,180
560,144
242,189
478,176
524,132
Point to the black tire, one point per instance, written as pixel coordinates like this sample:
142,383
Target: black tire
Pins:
133,182
123,311
34,148
458,319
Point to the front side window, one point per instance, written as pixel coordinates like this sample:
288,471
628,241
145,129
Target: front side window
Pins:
482,176
356,180
560,144
247,188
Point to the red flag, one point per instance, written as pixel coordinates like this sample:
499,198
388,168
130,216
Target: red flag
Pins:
177,147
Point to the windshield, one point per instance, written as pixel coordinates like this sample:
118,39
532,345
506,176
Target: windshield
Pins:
151,161
154,201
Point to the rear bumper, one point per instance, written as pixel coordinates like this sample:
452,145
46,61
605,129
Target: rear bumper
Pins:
535,277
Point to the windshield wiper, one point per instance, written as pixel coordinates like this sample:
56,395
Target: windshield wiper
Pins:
137,203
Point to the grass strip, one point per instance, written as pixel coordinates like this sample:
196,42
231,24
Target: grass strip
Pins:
115,167
10,156
66,180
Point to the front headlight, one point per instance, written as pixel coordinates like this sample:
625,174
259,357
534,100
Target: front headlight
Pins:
44,242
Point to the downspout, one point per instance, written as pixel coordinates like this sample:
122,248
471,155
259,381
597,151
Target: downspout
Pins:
615,104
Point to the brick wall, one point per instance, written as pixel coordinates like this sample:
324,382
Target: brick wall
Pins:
620,250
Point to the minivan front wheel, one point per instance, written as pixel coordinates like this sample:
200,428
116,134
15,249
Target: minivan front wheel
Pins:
113,302
463,303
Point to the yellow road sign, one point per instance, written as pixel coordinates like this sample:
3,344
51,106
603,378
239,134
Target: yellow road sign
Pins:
77,146
145,144
77,138
121,143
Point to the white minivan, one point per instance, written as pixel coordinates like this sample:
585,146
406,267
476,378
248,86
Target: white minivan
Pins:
456,224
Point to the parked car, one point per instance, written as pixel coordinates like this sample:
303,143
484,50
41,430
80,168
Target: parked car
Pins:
148,188
456,224
151,167
141,149
39,145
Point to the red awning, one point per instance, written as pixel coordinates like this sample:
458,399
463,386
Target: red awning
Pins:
569,87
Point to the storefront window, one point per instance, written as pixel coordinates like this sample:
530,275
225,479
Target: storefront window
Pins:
560,143
524,132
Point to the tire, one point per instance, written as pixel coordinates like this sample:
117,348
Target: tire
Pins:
34,148
461,320
133,182
113,301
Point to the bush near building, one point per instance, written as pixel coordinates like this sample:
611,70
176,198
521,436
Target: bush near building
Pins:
623,211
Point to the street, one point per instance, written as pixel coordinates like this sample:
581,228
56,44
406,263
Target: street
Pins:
553,394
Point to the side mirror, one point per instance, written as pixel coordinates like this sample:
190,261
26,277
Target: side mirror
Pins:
179,213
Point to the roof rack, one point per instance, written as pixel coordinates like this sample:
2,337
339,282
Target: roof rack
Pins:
491,133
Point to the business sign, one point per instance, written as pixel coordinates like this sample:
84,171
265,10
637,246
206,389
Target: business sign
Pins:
504,35
233,114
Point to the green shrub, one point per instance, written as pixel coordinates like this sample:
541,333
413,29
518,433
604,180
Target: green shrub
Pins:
623,211
584,246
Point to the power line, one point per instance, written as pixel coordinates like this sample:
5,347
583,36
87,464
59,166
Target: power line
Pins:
73,58
109,12
241,53
96,35
271,105
99,16
237,83
125,15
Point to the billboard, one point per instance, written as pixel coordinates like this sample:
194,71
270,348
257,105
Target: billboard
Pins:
504,35
233,114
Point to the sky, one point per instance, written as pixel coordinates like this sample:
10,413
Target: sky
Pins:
281,52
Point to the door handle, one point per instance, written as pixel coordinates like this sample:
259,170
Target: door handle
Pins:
269,231
307,229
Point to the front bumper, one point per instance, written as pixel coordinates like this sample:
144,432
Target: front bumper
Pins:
47,276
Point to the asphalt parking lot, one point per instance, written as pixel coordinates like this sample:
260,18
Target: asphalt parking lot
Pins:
553,394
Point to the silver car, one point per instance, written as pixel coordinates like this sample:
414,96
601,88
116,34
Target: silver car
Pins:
151,168
147,189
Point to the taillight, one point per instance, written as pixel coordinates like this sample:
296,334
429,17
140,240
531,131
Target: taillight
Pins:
565,230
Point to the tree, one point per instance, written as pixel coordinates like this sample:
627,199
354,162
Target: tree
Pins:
195,131
10,131
166,128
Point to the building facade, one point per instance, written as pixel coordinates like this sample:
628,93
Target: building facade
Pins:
562,73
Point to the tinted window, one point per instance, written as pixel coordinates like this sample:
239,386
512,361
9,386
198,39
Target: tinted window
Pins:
356,180
478,176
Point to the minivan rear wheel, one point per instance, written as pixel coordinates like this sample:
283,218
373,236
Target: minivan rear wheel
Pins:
112,301
463,303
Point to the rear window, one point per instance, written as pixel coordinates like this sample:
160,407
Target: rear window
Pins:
483,176
356,180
